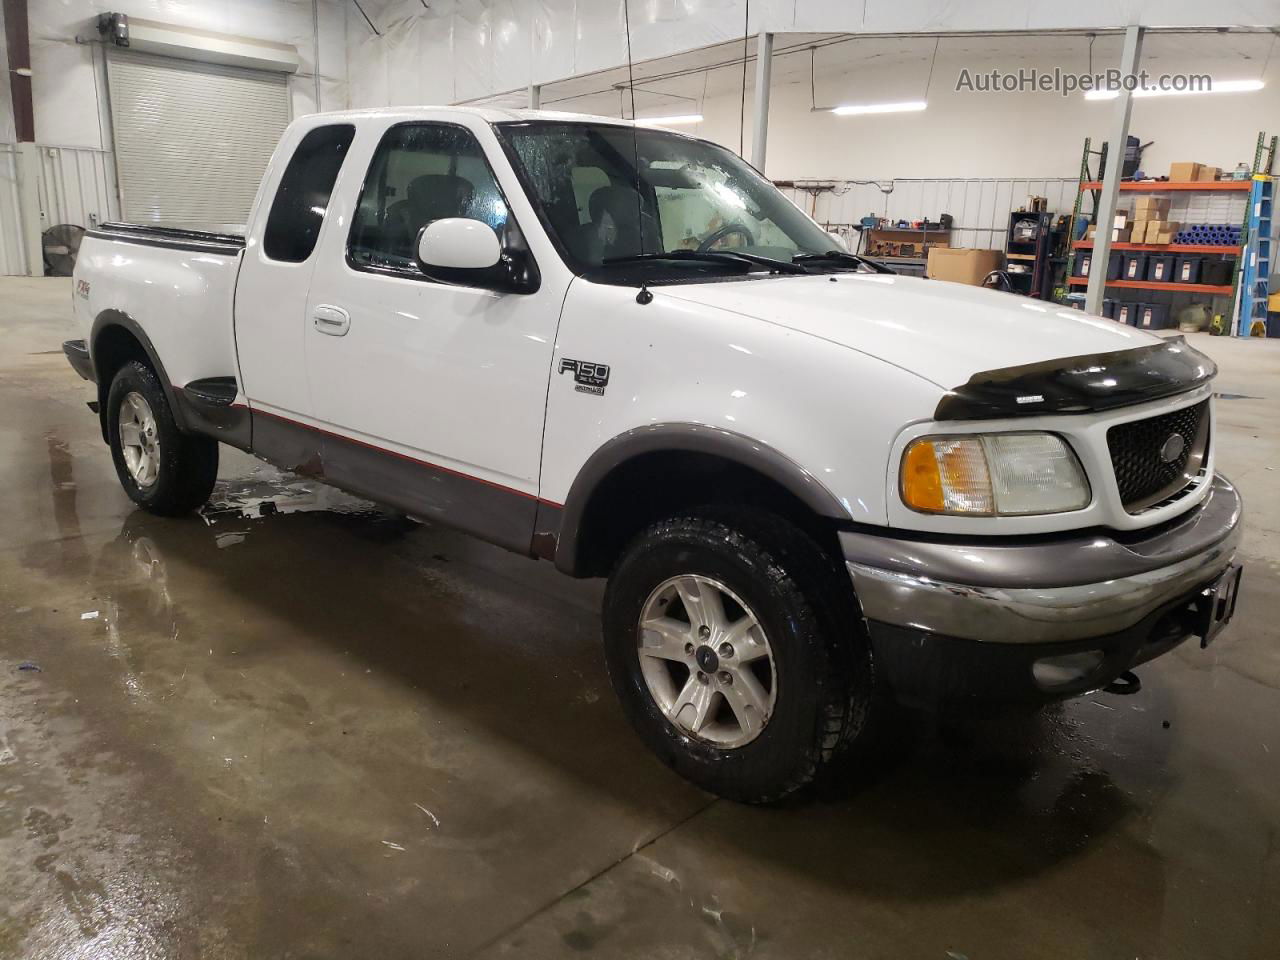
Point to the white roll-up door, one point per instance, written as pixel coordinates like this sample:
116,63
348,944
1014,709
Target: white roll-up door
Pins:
192,139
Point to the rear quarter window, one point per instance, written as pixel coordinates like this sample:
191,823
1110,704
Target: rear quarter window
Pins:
297,212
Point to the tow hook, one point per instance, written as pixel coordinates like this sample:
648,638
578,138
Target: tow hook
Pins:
1124,685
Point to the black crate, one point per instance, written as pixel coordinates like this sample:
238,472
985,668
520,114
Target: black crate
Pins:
1082,265
1134,267
1187,269
1126,311
1160,268
1216,272
1154,316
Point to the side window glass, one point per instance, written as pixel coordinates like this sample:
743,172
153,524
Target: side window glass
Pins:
297,212
421,173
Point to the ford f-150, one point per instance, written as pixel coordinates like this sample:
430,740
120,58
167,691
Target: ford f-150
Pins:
810,482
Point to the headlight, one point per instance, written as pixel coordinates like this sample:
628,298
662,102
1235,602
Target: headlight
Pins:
996,474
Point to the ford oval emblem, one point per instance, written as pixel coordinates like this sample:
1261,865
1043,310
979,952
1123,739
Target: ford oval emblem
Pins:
1172,448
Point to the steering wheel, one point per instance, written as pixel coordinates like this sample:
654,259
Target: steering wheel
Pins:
727,230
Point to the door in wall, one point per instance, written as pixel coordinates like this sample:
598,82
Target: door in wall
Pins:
192,139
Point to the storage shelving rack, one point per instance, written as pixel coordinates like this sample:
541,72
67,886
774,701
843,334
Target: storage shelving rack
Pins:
1252,257
1033,255
1216,187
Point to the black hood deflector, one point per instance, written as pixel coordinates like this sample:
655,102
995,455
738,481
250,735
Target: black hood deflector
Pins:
1100,381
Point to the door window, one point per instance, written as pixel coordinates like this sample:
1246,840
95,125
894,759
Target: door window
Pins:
421,173
297,211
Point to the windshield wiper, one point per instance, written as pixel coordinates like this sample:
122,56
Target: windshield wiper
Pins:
839,256
728,257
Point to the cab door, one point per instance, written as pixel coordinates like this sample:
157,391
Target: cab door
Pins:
433,394
275,277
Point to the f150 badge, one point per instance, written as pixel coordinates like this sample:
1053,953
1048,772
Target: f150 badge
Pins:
587,377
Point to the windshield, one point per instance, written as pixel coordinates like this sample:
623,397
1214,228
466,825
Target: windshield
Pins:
693,197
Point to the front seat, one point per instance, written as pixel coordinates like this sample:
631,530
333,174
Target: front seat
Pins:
617,223
432,196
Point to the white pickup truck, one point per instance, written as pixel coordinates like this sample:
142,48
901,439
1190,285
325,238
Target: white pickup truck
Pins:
811,482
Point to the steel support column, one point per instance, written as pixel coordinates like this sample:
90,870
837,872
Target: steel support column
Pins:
760,123
1119,137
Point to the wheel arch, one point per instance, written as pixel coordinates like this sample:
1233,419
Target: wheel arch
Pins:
114,339
620,474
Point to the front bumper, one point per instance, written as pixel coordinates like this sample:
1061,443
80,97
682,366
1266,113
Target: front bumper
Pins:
1040,619
78,356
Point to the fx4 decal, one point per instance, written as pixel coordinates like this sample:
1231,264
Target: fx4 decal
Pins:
82,289
587,377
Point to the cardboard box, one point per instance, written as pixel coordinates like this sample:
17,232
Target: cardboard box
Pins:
1122,236
1163,231
1139,231
1184,172
1273,303
961,265
1208,173
1151,208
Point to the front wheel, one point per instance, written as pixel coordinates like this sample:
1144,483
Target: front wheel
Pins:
162,469
733,646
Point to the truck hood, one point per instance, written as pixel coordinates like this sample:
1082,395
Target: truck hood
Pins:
944,332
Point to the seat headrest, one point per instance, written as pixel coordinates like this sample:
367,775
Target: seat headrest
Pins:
618,202
436,195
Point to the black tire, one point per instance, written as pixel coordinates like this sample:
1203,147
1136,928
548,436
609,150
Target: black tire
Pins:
822,670
188,465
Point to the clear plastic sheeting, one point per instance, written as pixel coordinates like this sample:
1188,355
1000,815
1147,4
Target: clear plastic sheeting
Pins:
473,49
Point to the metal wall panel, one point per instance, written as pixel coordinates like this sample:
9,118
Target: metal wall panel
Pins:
192,139
13,259
75,186
979,207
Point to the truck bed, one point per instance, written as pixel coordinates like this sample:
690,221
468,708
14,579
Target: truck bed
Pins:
173,289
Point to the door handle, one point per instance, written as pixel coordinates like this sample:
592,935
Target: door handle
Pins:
331,320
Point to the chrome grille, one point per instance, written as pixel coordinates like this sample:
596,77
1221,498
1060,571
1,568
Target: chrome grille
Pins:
1140,455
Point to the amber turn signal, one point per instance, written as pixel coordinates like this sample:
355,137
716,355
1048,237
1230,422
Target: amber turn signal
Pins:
921,479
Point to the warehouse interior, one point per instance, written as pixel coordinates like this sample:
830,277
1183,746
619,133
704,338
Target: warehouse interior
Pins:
299,722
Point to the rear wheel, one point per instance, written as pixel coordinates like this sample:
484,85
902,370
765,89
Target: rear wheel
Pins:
735,649
162,469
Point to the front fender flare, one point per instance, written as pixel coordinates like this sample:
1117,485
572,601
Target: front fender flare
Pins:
692,438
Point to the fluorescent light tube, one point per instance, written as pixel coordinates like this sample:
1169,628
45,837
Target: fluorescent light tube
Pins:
671,121
1224,86
910,106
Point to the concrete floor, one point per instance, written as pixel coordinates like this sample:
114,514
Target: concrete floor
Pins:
321,733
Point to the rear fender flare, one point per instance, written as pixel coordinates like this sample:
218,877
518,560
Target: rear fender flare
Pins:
118,318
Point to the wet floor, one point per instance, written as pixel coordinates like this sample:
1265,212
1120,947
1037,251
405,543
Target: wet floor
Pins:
296,726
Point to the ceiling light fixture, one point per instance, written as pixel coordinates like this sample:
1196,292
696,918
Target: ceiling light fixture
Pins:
671,121
851,110
1224,86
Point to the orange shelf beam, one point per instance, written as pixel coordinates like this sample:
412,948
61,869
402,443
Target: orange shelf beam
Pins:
1159,186
1221,291
1164,247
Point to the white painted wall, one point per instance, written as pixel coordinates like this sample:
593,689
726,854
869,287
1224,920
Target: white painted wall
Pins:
77,182
68,83
967,134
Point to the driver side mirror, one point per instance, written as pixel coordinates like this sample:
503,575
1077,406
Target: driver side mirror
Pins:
459,250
